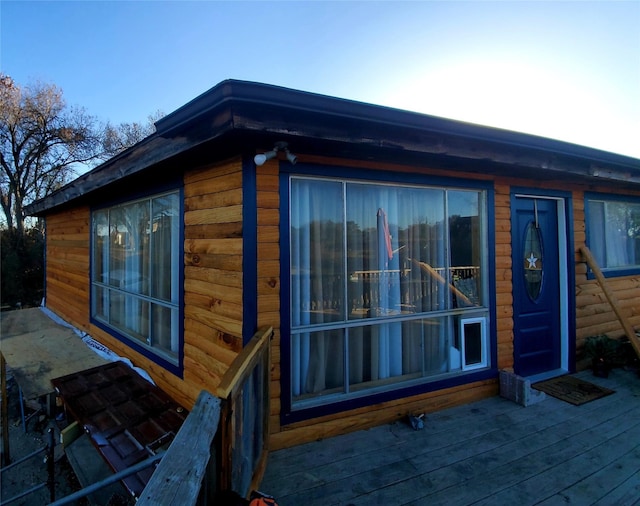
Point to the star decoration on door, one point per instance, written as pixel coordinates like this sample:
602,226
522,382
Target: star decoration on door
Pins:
532,260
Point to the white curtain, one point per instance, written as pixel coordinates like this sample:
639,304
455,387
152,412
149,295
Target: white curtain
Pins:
136,270
387,336
164,273
100,268
617,240
317,296
129,227
396,262
397,246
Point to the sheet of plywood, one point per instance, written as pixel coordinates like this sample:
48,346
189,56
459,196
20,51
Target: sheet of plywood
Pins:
37,350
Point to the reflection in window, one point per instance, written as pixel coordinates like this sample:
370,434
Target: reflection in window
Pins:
135,272
614,233
373,262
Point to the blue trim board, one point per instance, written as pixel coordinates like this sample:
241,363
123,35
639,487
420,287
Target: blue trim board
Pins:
336,171
571,281
177,370
285,299
571,263
249,249
389,395
180,371
287,414
491,247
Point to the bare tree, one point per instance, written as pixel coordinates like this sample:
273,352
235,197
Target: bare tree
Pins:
41,142
118,138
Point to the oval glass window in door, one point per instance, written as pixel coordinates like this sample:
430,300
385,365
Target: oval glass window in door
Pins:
533,271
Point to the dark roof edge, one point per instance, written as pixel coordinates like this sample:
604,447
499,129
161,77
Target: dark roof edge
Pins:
167,141
278,96
90,180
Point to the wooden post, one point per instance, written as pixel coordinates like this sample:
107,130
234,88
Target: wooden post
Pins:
178,478
230,390
51,482
6,455
613,301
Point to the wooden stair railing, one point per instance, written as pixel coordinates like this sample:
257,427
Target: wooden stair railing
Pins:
613,301
210,451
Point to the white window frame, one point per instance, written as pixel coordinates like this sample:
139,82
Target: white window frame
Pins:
464,322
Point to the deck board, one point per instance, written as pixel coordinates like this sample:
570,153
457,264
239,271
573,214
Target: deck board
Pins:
489,452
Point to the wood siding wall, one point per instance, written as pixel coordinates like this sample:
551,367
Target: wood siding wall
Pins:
212,279
67,270
213,289
268,251
369,416
594,315
592,311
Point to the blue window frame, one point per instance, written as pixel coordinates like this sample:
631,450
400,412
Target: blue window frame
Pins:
613,232
136,273
377,294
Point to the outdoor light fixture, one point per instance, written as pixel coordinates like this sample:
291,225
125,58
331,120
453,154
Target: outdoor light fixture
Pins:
279,146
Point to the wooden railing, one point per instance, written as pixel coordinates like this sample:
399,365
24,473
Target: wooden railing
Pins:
223,443
244,390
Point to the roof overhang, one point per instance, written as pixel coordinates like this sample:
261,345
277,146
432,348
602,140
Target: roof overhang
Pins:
255,115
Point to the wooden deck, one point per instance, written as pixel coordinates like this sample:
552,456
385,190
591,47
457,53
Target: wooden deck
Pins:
492,452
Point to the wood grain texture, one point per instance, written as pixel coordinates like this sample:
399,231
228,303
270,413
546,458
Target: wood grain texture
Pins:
214,283
489,452
179,476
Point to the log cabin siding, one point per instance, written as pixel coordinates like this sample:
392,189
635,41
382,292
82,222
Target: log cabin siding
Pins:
626,289
67,265
213,289
213,282
594,314
225,292
372,415
268,272
503,277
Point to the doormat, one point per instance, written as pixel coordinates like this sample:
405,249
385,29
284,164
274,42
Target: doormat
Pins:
573,390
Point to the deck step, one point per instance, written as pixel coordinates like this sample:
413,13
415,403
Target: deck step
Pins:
89,467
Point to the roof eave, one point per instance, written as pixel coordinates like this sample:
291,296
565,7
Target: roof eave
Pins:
271,111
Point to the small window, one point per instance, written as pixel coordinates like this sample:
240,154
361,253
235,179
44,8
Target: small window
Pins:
473,343
613,228
135,275
533,273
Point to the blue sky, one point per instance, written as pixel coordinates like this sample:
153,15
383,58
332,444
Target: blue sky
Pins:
565,70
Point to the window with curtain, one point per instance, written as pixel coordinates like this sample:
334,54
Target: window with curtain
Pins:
135,272
613,229
381,276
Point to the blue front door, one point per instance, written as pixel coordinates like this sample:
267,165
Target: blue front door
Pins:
536,285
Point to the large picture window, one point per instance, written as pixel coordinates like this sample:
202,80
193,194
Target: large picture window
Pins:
381,276
135,273
613,228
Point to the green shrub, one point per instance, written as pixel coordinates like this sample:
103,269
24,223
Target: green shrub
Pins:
605,349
